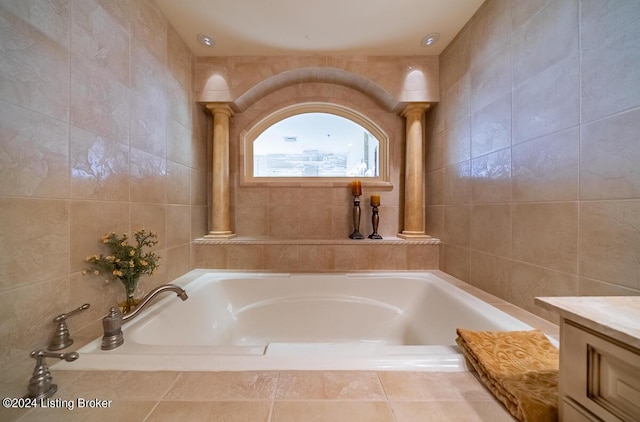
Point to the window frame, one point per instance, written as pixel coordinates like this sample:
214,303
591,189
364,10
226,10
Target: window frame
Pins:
249,136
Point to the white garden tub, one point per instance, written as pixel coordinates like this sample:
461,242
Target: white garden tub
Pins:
257,321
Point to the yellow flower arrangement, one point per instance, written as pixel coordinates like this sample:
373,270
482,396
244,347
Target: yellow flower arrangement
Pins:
126,262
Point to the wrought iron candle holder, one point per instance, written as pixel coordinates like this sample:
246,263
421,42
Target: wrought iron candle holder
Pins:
375,220
356,191
356,219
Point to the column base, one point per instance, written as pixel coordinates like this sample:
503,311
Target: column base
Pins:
222,234
406,234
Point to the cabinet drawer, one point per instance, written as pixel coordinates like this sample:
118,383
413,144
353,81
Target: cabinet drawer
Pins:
601,376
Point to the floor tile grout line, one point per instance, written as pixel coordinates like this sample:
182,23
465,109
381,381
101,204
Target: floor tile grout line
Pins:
386,396
171,385
153,409
274,396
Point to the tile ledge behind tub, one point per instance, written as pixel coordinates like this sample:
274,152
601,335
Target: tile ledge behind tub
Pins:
391,240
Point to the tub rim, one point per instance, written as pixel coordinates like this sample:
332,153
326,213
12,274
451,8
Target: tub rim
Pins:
434,359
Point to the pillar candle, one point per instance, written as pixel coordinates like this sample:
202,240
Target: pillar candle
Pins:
375,200
356,188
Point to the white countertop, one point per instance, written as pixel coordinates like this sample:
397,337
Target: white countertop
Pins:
615,316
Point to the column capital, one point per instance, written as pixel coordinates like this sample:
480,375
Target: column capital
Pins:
415,108
219,108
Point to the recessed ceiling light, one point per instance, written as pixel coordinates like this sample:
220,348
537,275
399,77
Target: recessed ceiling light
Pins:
206,40
430,39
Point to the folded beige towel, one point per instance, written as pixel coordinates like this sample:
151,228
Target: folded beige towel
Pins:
519,367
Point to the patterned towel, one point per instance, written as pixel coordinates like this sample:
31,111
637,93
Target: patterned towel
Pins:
519,367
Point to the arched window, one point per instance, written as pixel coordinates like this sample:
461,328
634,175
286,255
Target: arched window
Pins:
315,142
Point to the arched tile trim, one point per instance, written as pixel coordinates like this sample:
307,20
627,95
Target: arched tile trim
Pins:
318,75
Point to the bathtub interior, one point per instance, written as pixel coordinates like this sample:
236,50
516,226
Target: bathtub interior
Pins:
256,311
240,321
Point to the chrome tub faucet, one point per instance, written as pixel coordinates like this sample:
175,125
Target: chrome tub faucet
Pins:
112,322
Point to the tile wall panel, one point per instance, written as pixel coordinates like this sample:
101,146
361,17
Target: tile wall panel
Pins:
85,141
554,146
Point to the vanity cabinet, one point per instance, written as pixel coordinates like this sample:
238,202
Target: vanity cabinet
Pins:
599,357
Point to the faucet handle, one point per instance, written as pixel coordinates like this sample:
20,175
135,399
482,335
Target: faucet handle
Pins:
61,337
69,357
40,385
63,317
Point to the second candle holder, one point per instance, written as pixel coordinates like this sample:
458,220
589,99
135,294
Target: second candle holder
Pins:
375,218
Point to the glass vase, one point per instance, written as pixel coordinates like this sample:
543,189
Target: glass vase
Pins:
132,298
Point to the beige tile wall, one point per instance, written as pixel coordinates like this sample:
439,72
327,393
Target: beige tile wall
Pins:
374,86
309,255
532,179
246,79
314,212
536,178
99,132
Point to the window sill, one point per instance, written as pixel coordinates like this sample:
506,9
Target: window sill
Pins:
267,182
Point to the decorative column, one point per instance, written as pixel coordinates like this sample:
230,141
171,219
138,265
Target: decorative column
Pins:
220,222
414,176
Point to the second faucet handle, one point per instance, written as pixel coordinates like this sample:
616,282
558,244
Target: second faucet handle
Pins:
40,385
61,337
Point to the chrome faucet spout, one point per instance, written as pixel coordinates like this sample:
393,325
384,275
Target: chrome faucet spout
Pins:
112,322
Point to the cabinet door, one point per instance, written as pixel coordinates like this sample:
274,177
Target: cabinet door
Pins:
573,413
600,375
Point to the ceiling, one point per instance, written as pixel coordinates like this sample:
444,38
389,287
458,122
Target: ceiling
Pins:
295,27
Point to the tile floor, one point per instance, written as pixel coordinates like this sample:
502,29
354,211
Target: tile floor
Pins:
270,396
